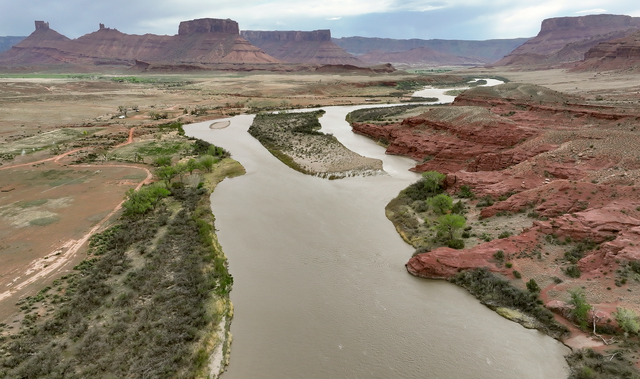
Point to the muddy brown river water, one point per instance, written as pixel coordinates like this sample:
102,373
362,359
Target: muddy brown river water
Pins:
320,289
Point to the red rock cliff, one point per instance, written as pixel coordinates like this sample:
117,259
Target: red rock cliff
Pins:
208,25
301,47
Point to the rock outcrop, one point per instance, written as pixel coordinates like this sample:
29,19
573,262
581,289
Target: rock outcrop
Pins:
452,139
567,39
618,54
301,47
203,41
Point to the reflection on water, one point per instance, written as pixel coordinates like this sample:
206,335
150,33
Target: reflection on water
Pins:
320,286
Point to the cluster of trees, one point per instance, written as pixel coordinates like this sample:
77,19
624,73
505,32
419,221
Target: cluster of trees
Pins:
208,156
450,221
584,314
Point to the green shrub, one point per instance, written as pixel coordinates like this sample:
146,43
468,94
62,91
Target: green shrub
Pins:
533,286
628,320
572,271
441,203
456,244
504,234
517,274
466,192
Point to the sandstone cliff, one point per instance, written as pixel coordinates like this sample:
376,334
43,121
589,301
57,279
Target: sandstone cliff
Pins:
203,41
485,51
301,47
567,39
617,54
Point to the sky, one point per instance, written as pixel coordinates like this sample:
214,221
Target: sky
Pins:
401,19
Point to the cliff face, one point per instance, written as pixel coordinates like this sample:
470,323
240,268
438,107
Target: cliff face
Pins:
485,51
418,56
617,54
301,47
567,39
208,25
202,41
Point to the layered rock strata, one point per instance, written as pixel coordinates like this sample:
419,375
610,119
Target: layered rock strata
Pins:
301,47
202,41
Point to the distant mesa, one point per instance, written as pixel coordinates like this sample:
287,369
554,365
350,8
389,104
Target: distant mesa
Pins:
566,39
420,56
208,25
415,51
198,42
301,47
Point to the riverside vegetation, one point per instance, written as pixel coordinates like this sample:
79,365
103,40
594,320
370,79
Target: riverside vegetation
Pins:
296,140
150,297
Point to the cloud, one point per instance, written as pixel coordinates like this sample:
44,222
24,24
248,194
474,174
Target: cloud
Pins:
448,19
592,11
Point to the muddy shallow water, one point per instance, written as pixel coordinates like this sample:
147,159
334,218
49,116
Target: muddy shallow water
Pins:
320,286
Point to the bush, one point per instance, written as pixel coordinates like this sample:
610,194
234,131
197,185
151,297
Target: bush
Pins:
499,255
441,203
533,286
628,320
580,311
504,234
458,208
465,192
456,244
572,271
495,292
517,274
485,202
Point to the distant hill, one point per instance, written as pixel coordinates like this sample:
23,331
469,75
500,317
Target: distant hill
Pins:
8,41
301,46
420,56
567,39
203,41
488,51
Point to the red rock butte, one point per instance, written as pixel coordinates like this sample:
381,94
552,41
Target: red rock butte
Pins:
202,41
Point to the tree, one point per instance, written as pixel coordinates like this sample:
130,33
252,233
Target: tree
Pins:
166,173
450,224
581,307
628,320
432,180
162,161
139,202
533,286
207,162
192,164
441,203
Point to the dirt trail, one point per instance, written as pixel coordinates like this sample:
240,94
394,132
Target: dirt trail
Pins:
53,261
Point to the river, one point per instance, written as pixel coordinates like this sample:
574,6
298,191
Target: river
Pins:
320,289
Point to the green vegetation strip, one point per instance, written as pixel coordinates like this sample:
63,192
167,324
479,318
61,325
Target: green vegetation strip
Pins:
148,300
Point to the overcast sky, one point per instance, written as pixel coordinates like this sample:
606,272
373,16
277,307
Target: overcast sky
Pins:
445,19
